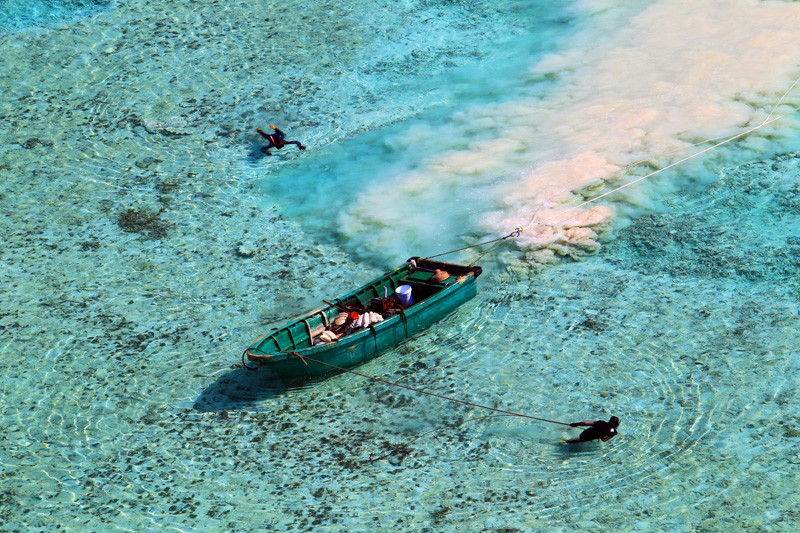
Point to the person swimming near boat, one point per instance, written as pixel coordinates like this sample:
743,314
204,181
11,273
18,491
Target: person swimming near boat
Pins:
276,140
598,429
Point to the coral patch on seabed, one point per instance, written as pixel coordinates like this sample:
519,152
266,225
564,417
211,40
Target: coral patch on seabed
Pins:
142,221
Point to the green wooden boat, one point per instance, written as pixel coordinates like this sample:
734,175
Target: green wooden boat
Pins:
435,295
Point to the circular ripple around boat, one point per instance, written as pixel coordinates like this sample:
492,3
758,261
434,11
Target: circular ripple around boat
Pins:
538,354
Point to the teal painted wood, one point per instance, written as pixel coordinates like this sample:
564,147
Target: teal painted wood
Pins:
437,300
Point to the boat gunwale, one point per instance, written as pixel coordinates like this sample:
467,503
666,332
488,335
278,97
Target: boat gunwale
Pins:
357,337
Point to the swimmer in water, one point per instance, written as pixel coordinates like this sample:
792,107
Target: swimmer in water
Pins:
598,429
276,140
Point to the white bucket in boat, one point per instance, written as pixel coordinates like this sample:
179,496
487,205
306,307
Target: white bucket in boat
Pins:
404,295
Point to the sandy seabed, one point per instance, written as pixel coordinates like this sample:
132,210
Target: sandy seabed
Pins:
139,260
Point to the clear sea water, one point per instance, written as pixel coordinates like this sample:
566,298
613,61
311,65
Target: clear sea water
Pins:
146,242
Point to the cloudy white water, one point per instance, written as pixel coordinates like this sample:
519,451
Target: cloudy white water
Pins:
637,82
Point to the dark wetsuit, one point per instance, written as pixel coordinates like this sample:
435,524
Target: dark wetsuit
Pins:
277,140
599,429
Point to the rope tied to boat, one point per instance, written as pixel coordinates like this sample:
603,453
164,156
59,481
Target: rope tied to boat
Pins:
244,363
770,119
513,235
306,358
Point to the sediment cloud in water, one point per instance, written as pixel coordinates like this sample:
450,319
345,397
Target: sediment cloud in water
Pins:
631,87
679,72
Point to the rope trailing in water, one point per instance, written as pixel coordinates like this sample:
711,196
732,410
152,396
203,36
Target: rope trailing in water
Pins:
519,230
497,242
655,172
471,404
513,234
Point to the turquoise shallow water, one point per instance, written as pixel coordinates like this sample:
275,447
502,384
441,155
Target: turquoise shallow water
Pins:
146,243
19,15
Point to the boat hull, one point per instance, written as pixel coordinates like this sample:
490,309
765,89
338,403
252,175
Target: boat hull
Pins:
368,343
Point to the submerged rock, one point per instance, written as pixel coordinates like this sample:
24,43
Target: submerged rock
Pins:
33,142
176,125
245,252
145,162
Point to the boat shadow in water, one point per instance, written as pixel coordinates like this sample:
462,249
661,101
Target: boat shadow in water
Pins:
238,389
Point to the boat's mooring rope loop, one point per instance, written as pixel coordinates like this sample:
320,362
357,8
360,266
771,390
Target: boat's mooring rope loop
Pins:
244,364
303,359
465,402
513,235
